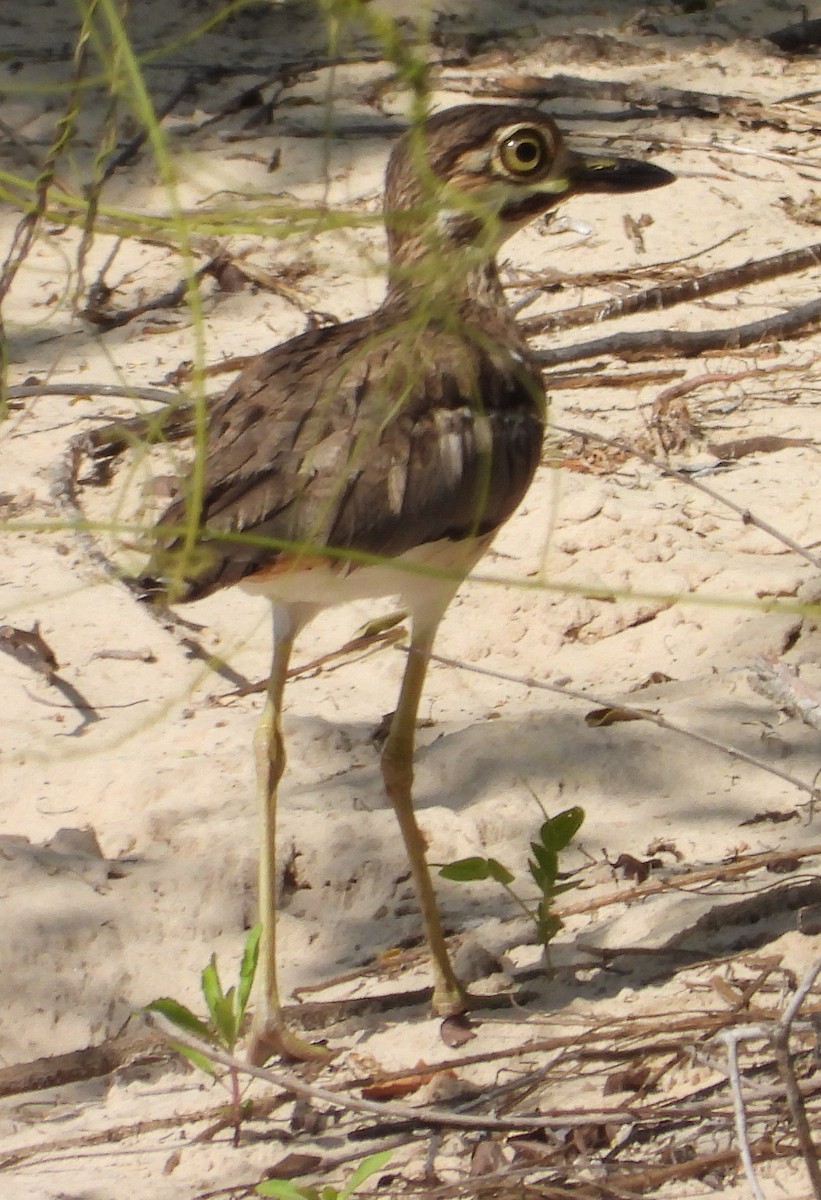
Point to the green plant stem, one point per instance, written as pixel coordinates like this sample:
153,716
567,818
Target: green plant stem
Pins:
530,913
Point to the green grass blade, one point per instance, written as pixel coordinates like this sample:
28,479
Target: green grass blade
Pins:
182,1017
212,988
195,1057
225,1019
285,1190
369,1166
547,861
247,972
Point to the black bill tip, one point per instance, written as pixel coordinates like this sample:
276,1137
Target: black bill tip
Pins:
603,174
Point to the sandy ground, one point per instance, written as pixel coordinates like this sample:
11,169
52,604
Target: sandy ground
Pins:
95,925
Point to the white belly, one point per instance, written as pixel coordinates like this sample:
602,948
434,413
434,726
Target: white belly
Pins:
417,577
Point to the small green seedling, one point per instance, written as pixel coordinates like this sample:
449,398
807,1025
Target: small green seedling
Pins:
223,1025
555,835
286,1190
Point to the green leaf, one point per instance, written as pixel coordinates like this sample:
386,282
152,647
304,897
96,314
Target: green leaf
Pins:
212,988
558,832
195,1057
329,1193
544,881
565,887
549,926
369,1166
498,872
466,870
286,1190
247,972
548,865
224,1019
181,1016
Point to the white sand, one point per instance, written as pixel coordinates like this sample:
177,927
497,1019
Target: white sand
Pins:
164,778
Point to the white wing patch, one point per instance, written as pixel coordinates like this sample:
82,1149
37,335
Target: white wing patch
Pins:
397,482
450,426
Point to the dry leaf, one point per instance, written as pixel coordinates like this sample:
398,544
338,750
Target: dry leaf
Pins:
770,816
590,1137
635,868
487,1158
765,444
783,866
455,1031
395,1089
600,718
631,1079
293,1165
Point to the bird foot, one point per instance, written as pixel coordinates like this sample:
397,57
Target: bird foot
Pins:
456,1001
276,1040
451,999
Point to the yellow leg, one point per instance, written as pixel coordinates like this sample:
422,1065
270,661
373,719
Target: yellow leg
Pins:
270,1035
449,996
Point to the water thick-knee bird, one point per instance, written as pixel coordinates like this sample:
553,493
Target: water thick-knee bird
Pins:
380,456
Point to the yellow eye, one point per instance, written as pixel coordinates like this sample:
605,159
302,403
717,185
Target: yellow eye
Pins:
524,152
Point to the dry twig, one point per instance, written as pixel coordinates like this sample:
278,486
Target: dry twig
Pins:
668,295
660,343
641,98
639,714
778,1035
731,1038
780,1038
779,682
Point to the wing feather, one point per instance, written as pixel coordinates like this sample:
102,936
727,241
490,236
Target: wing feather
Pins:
368,436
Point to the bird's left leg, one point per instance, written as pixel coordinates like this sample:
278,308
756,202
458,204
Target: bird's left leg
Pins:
449,996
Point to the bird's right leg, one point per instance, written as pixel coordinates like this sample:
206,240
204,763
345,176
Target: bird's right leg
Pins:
270,1035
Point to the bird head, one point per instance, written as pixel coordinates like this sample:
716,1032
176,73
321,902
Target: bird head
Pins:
473,175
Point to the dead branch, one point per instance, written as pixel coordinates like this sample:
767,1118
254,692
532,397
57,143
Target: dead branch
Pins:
780,1038
640,714
100,444
420,1116
777,1035
125,154
24,234
552,279
641,99
677,391
661,343
26,391
780,683
114,1134
733,869
683,290
167,424
731,1038
556,380
88,1063
807,167
652,1178
354,648
109,319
